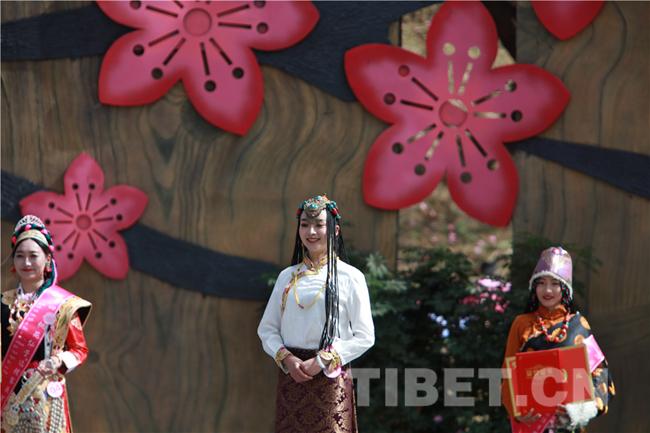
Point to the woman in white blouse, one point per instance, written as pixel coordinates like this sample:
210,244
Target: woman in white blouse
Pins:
316,322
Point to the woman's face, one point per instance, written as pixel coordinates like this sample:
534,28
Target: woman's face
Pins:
313,233
30,261
549,292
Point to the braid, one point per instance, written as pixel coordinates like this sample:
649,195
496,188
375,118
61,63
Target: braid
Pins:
335,250
330,330
298,255
568,301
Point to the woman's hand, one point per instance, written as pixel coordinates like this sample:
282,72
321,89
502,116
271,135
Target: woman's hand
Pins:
530,418
562,417
49,366
296,369
311,366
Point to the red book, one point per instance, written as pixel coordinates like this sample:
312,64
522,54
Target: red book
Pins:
545,379
536,427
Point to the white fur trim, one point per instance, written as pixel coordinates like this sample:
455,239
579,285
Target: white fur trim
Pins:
581,413
550,274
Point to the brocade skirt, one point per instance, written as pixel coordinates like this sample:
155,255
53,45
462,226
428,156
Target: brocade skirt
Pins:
320,405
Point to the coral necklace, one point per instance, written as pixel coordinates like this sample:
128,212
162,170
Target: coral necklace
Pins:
560,335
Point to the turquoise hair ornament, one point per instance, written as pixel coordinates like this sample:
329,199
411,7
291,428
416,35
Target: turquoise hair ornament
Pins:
315,205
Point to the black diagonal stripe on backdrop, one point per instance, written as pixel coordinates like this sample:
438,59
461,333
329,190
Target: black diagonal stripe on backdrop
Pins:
65,34
218,274
628,171
317,59
173,261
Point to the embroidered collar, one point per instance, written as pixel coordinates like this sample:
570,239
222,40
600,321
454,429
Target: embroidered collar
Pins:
555,314
314,266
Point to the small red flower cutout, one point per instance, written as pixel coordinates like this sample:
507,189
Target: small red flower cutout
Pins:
565,19
207,45
450,114
84,222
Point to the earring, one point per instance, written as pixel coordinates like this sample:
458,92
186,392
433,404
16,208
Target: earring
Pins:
48,267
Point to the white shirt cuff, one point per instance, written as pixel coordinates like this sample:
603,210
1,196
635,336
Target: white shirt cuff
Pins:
70,360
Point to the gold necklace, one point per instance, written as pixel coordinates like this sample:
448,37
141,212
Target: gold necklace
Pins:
314,271
313,301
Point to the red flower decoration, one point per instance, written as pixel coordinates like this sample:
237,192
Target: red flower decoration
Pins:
450,114
84,222
565,19
489,291
207,45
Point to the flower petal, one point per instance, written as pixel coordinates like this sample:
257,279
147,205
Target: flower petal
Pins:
110,258
84,221
485,187
56,211
228,94
44,204
135,73
51,209
475,110
207,45
565,19
67,262
274,24
127,204
463,32
391,83
396,173
140,14
83,176
529,99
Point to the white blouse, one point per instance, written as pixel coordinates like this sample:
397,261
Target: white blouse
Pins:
302,327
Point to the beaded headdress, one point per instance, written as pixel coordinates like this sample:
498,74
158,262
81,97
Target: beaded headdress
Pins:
315,205
31,227
554,262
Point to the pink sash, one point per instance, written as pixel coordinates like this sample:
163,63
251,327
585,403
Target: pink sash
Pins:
28,337
594,354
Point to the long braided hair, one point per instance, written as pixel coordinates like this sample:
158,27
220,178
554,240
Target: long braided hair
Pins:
335,249
567,300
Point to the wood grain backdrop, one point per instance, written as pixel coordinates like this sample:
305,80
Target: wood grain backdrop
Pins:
164,359
607,70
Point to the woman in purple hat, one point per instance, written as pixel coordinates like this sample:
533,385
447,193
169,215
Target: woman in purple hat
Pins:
551,320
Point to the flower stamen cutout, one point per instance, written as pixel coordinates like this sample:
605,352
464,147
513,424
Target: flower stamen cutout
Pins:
206,45
85,221
450,114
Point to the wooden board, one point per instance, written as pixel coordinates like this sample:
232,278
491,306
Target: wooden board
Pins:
606,68
162,358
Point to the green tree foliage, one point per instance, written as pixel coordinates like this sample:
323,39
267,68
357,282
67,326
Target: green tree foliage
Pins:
435,314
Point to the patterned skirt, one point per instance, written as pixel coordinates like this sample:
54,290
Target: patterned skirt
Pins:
321,405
